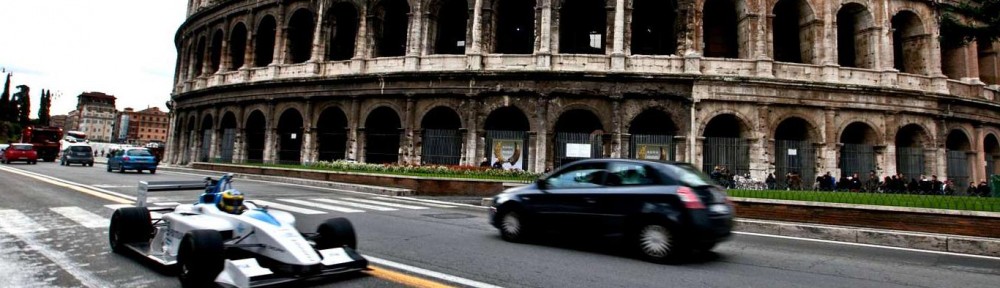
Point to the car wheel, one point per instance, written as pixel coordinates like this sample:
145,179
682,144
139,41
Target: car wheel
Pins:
62,162
138,171
336,232
656,242
152,171
121,168
129,224
200,258
512,226
109,167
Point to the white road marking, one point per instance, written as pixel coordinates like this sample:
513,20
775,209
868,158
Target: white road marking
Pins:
83,217
16,223
288,208
868,245
407,200
359,205
86,278
321,206
383,203
96,192
429,273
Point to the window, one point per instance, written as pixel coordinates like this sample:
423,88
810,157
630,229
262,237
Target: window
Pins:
138,152
586,175
631,174
690,176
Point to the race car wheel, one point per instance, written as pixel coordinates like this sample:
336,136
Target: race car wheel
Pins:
200,258
336,232
129,224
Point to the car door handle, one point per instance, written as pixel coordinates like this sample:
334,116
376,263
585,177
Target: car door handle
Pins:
590,200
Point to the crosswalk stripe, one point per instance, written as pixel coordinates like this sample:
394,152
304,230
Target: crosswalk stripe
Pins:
383,203
83,217
359,205
413,202
16,223
152,214
279,206
322,206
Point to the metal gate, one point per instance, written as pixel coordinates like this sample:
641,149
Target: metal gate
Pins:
381,147
991,160
576,146
652,147
729,153
441,146
857,158
332,146
507,146
797,158
206,145
255,142
910,162
958,170
226,145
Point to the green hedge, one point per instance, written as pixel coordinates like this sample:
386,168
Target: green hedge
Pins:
883,199
432,171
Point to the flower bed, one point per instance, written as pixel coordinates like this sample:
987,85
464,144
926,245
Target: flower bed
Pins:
436,171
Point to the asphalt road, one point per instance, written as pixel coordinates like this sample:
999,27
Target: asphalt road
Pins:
447,245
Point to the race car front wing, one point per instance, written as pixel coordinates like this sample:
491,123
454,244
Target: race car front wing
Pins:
247,272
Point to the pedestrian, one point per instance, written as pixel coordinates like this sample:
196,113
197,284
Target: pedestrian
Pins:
485,163
770,181
971,190
497,164
983,189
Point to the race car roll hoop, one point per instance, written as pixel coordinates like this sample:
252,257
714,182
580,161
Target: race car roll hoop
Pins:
247,247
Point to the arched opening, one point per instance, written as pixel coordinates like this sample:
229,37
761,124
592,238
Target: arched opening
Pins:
583,27
256,130
390,22
792,30
654,27
343,31
794,154
300,36
725,151
199,58
332,134
228,140
579,135
450,23
264,42
206,139
854,37
192,134
216,54
909,43
857,153
991,147
719,29
959,157
911,140
989,62
651,136
238,46
515,26
506,138
382,136
290,137
441,139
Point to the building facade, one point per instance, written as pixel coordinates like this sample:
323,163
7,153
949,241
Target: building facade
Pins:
72,121
149,125
96,114
758,87
58,121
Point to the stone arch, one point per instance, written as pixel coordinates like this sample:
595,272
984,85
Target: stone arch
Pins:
206,129
910,42
382,135
227,136
238,45
344,107
514,22
858,141
199,60
794,152
342,21
441,117
441,139
793,31
601,117
653,121
725,148
255,131
872,135
332,127
507,118
583,27
960,157
389,25
743,126
290,128
264,41
991,152
577,127
653,27
447,26
299,35
525,104
372,106
856,44
651,135
281,108
720,33
958,140
215,55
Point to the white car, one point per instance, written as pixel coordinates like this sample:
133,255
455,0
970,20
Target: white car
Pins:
257,247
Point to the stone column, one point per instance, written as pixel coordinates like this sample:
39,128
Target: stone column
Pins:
240,155
319,41
213,151
407,154
414,38
354,133
616,124
542,139
248,55
270,136
978,161
889,165
543,54
474,52
831,149
308,152
280,43
618,46
224,59
767,155
172,143
473,132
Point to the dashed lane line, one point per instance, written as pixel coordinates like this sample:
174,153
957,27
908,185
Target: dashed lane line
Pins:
119,198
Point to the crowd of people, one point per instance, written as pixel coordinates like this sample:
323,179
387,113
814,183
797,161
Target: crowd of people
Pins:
889,184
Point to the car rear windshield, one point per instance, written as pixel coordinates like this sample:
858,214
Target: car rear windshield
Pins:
22,147
80,148
690,176
138,153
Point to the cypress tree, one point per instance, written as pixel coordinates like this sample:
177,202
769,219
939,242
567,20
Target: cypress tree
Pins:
24,105
5,101
43,108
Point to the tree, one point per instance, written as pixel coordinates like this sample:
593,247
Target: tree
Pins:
972,20
43,108
5,101
23,105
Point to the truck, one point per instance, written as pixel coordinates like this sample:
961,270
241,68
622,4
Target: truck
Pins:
45,139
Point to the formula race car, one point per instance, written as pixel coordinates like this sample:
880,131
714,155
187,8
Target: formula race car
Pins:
222,240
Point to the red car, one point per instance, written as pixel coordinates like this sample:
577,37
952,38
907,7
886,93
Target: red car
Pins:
19,152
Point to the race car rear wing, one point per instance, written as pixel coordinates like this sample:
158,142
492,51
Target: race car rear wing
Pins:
153,186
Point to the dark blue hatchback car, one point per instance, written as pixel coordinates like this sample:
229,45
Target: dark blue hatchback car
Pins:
662,208
138,159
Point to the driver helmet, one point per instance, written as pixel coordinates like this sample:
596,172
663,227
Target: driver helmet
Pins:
231,201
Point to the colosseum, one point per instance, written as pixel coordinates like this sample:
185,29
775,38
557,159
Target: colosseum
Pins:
803,86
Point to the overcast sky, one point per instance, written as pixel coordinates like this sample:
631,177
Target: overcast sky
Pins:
120,47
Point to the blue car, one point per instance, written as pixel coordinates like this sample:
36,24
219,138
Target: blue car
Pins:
138,159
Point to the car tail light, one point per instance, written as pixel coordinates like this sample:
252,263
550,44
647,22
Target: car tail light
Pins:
126,158
690,200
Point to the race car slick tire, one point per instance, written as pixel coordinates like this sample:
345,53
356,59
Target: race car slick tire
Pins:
336,232
200,258
129,224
